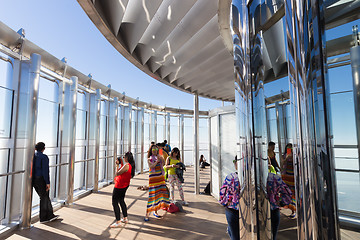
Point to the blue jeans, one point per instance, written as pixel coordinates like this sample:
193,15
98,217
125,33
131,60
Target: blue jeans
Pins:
275,222
232,217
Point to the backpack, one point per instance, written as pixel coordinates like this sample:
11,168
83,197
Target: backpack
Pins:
207,188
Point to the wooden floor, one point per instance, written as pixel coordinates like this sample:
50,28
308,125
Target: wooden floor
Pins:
91,216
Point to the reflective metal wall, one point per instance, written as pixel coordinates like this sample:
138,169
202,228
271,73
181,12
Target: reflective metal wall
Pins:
282,95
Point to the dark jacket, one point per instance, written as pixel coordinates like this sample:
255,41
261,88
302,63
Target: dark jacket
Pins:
41,166
180,171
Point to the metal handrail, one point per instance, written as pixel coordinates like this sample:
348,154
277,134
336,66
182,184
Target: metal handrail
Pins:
58,165
11,173
85,160
106,157
347,170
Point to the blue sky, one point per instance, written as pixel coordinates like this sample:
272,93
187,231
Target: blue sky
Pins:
63,29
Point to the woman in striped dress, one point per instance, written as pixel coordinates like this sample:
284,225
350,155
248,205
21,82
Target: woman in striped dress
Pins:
288,176
158,194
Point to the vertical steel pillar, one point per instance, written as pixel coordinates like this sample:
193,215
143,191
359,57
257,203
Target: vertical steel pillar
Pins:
130,130
28,98
88,120
314,170
182,127
179,131
108,129
210,153
122,129
355,67
155,126
12,200
136,137
97,139
168,127
218,130
165,124
116,127
280,129
72,137
142,139
196,144
64,114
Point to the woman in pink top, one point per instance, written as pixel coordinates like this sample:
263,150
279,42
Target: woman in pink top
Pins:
122,180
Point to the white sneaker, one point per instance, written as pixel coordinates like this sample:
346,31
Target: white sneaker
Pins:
123,220
185,203
115,225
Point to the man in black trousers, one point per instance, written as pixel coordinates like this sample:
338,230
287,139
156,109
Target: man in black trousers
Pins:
41,183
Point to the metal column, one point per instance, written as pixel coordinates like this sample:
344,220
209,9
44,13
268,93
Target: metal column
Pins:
109,114
355,67
97,139
122,129
168,127
179,132
165,124
130,119
196,144
218,130
72,137
155,127
142,128
28,97
210,153
281,131
182,137
116,125
136,137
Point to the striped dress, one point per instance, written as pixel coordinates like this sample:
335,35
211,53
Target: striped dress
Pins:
158,194
288,177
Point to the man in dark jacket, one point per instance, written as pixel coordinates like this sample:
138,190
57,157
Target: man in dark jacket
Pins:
41,183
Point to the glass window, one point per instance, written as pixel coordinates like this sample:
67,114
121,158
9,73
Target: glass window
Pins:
80,167
348,191
47,122
6,99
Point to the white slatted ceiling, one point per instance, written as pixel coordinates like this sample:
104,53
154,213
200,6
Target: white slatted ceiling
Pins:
177,42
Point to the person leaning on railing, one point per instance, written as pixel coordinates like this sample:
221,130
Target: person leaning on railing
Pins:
41,183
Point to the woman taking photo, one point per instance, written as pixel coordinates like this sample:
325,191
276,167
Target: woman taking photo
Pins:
125,171
158,195
173,179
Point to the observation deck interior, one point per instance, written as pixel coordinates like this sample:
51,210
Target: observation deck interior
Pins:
279,94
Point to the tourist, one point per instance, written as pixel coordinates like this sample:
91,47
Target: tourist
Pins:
158,195
229,198
125,171
172,163
41,183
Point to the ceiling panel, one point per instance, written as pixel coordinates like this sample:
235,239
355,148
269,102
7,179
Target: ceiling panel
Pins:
175,42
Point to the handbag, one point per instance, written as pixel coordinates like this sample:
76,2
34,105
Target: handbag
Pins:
173,208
